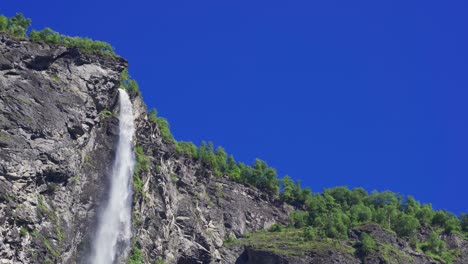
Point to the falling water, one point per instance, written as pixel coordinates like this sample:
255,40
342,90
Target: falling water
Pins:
114,228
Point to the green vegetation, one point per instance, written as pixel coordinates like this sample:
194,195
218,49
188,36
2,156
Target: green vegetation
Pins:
137,256
142,164
128,83
187,149
163,125
335,212
50,248
60,234
40,203
332,213
232,240
48,35
106,113
321,219
310,233
35,233
437,249
17,26
24,231
276,228
391,254
365,246
290,242
160,261
174,178
259,175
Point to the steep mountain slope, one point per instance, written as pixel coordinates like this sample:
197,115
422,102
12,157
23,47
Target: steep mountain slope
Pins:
58,133
57,143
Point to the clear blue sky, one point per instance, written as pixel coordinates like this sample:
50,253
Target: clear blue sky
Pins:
356,93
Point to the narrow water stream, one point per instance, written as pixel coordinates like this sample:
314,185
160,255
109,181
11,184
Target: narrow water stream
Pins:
114,233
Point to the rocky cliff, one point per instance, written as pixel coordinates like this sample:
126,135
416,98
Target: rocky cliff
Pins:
57,144
58,133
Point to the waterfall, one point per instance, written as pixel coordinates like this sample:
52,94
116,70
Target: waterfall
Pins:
113,236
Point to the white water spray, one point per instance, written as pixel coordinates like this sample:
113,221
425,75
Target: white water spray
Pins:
114,232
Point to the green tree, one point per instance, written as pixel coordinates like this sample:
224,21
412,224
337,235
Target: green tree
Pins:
360,214
386,198
440,218
366,245
206,155
386,216
406,225
264,177
235,174
358,195
46,35
153,116
18,25
434,244
221,160
133,86
126,81
304,195
233,169
309,233
246,172
317,206
187,148
231,162
341,195
124,77
452,224
336,225
425,214
464,222
276,228
288,188
164,128
298,219
3,23
411,206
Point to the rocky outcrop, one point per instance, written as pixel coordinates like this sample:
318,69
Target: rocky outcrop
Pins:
252,255
57,140
56,147
389,249
185,213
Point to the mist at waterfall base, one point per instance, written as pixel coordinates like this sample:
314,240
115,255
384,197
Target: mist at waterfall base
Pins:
113,236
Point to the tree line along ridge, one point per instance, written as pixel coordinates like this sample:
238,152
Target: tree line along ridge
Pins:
18,26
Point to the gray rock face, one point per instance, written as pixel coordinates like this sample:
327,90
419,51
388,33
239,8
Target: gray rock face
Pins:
185,214
55,148
57,143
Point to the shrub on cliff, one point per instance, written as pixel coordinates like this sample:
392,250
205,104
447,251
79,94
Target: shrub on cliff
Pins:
18,25
406,225
161,122
464,222
3,23
187,148
366,245
128,83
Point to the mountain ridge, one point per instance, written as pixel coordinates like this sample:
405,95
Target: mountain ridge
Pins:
58,141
